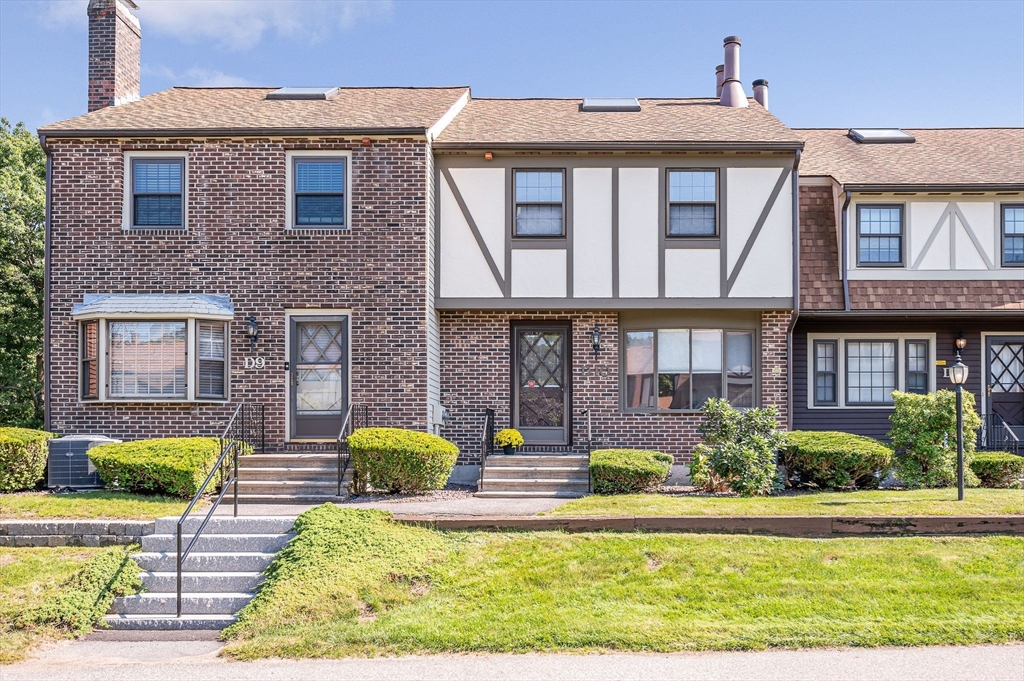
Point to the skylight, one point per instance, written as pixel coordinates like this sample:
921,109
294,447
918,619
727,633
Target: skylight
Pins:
610,104
303,93
880,136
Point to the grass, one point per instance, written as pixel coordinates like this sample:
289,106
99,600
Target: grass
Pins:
89,505
976,501
28,577
359,584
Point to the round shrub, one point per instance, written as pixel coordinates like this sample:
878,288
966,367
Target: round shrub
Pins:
998,469
628,471
22,458
400,460
176,465
834,460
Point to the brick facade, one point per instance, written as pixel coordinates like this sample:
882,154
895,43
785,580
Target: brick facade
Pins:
115,44
236,244
475,375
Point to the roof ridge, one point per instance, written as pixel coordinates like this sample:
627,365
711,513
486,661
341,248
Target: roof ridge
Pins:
966,127
340,87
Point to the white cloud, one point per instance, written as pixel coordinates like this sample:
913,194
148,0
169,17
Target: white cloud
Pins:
236,24
196,76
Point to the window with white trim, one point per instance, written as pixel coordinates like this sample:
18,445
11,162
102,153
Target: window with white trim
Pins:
861,370
870,371
692,203
826,386
147,359
879,235
917,367
157,192
89,349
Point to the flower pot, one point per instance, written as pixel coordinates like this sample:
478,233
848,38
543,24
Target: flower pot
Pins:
509,450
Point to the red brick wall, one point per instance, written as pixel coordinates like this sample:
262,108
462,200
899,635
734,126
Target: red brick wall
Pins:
115,45
475,370
236,244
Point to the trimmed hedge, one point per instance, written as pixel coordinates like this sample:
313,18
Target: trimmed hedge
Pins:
834,460
628,471
176,466
400,460
87,595
998,469
22,458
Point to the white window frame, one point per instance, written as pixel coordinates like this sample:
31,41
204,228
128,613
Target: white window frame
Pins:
191,356
900,339
127,216
289,188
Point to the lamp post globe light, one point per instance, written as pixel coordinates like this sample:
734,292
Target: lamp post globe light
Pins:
958,376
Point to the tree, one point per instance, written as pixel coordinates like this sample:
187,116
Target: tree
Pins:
22,218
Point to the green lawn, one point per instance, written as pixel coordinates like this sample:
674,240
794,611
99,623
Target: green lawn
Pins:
89,505
876,502
354,583
27,578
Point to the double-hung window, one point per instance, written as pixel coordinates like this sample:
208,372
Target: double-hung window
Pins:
319,194
212,357
692,203
826,385
157,195
862,370
1013,235
680,369
89,350
879,235
917,367
539,204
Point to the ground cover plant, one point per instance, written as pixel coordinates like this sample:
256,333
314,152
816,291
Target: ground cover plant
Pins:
90,505
22,458
362,585
398,460
738,450
998,469
175,466
834,460
627,471
869,503
29,578
924,433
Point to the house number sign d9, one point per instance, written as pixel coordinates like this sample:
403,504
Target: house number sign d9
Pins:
255,362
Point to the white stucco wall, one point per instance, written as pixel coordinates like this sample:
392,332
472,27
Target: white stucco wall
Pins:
538,273
638,232
592,233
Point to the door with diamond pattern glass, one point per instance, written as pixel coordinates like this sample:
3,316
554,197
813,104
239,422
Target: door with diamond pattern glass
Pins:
1006,380
541,395
318,378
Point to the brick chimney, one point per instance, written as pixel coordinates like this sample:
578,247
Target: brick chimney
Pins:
115,44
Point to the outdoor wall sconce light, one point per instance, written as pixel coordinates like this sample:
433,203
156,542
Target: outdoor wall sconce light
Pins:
366,141
958,376
488,156
595,340
252,329
961,343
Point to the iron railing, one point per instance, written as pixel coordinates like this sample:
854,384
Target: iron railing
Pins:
590,449
245,430
486,444
996,435
357,416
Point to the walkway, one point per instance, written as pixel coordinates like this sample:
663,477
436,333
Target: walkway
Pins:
198,660
457,505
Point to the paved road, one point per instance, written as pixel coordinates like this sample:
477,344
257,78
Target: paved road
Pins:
198,660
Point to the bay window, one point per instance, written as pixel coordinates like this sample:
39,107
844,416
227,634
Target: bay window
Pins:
147,359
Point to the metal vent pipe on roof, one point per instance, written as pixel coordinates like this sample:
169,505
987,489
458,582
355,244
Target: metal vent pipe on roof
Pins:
761,92
719,79
732,89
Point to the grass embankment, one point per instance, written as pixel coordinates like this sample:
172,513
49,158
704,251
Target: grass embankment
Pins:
89,505
976,501
355,583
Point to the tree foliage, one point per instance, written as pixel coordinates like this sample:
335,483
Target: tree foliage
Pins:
22,217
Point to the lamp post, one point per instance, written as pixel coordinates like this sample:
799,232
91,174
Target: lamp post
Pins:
958,376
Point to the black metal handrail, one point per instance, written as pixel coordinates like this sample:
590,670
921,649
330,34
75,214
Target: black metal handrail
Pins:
357,416
590,447
486,445
997,435
245,423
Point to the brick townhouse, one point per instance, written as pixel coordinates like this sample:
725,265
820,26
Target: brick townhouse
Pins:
588,269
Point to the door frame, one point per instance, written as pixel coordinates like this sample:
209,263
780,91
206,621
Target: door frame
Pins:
513,414
985,336
299,313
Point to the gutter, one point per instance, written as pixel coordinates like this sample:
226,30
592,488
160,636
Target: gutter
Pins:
845,255
234,132
494,145
939,188
796,291
46,283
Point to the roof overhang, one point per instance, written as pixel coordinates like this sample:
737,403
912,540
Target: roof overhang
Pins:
943,188
233,132
622,145
153,306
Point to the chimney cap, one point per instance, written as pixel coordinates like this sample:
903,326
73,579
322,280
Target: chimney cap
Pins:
720,68
760,81
732,39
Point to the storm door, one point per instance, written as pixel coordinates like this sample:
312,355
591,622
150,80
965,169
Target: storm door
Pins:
318,376
1005,389
541,396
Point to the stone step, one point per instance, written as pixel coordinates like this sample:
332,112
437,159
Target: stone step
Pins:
208,561
327,487
168,622
305,473
282,499
228,524
165,603
569,472
538,460
326,459
547,486
520,494
201,582
218,542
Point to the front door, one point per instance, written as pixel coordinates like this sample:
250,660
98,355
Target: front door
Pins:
318,376
1005,389
541,394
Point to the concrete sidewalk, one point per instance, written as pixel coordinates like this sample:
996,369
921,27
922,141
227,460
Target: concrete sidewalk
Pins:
464,506
198,660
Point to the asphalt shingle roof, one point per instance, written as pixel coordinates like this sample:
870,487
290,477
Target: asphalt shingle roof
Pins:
200,305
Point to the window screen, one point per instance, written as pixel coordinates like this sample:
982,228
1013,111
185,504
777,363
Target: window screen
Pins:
320,192
692,196
157,192
539,203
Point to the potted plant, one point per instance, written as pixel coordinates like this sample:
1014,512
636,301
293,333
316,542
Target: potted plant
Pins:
508,439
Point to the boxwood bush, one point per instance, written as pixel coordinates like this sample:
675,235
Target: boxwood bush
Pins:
174,466
834,460
628,471
398,460
998,469
22,458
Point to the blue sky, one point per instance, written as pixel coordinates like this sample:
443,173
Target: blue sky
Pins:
908,64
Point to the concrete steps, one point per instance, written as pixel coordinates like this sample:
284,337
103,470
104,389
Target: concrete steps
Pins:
536,475
290,477
219,577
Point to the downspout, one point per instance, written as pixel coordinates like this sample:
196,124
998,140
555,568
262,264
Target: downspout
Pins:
46,285
796,291
846,282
